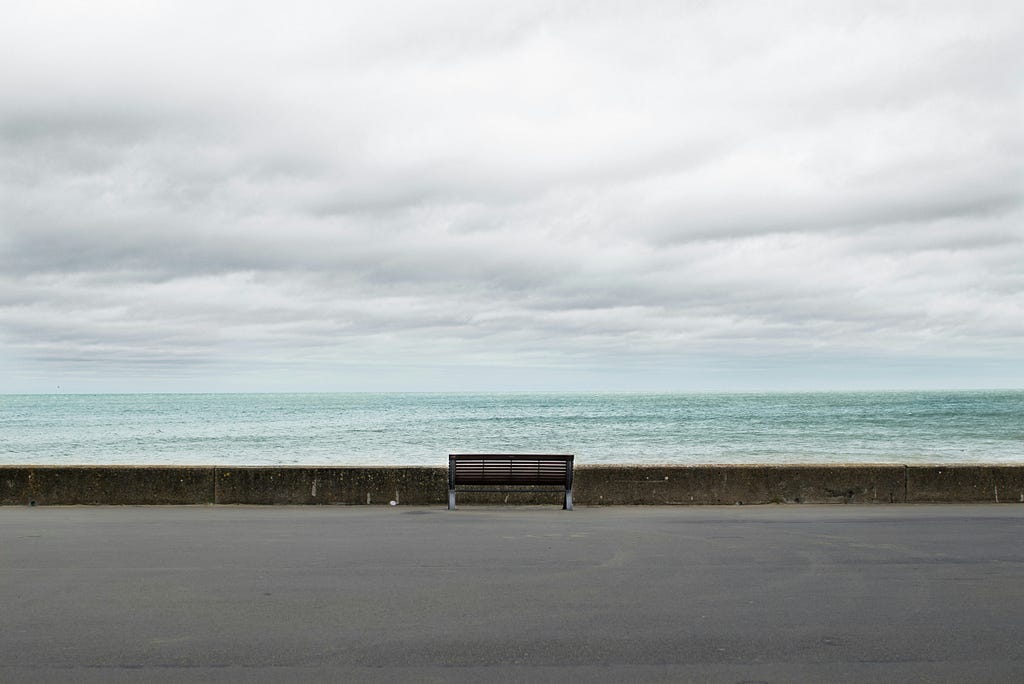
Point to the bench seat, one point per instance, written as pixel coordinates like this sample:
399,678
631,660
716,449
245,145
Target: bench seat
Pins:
510,470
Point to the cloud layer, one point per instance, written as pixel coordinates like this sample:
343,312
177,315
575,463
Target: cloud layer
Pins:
511,195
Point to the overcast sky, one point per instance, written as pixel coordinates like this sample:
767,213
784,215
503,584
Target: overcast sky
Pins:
263,196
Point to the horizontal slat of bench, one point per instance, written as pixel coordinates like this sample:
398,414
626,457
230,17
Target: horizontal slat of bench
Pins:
503,478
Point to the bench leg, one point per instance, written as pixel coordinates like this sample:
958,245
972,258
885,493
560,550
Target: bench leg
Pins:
567,505
451,499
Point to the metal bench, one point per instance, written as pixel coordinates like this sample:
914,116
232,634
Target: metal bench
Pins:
499,471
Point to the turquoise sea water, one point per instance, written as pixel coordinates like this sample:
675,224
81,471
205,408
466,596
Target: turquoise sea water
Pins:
421,429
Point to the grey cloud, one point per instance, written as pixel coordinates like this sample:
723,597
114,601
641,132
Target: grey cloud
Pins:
847,214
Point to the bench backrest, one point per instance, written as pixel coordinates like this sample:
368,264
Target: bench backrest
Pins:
510,469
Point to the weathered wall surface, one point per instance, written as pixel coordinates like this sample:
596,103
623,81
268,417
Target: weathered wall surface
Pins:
739,484
594,485
965,483
105,485
331,485
68,485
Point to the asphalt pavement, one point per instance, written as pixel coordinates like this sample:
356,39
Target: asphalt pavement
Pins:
517,593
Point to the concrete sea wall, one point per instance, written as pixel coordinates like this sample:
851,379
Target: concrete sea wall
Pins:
594,485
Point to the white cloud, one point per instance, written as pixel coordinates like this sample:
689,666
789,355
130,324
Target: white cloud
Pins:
576,193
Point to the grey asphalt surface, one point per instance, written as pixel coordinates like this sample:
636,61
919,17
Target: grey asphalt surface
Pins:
716,594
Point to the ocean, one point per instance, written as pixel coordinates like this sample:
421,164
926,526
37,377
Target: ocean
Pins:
422,428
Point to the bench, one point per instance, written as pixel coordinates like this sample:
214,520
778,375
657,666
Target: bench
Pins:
510,470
